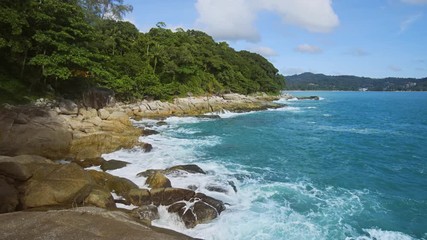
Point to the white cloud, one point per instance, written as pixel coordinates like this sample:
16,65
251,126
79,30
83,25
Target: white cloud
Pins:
227,20
409,21
415,1
264,51
234,20
313,15
306,48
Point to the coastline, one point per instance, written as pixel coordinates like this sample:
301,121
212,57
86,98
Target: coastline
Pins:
88,133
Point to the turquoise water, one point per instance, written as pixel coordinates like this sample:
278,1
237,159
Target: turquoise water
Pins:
350,166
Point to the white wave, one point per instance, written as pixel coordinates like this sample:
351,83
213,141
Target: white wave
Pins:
287,109
229,114
259,209
378,234
365,131
286,100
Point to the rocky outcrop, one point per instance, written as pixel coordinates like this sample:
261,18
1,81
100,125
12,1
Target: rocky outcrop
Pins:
121,186
93,136
198,209
158,180
188,168
196,106
113,165
34,131
58,133
309,98
78,223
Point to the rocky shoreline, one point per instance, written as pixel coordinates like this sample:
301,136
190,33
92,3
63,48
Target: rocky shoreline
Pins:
34,138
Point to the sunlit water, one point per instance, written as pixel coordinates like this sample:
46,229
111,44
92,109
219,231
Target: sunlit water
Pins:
350,166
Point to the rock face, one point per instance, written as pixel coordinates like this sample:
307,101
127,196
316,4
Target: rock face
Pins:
189,168
113,164
39,182
158,180
121,186
78,223
34,131
199,209
56,184
61,133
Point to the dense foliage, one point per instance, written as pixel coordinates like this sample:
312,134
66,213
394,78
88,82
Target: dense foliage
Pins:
310,81
63,47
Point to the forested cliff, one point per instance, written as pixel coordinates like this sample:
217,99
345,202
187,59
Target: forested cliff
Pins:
62,47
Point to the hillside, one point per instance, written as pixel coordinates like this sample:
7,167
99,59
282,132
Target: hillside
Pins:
310,81
60,48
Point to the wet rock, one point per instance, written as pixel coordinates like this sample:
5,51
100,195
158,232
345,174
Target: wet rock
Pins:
158,180
99,197
121,186
146,213
176,207
188,217
204,212
149,172
139,197
172,195
190,168
89,162
217,204
161,123
56,184
113,164
148,132
147,147
309,98
233,186
215,188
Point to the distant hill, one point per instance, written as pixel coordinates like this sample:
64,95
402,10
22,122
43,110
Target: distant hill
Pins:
311,81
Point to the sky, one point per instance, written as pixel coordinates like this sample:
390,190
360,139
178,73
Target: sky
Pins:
370,38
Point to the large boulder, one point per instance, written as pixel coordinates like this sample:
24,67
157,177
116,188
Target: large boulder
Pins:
79,223
139,197
199,209
34,131
190,168
168,196
146,213
56,184
8,196
158,180
113,165
120,186
99,197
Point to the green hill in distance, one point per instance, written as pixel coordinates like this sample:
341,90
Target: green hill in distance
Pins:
311,81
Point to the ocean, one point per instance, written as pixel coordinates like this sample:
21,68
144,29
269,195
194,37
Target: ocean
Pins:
352,166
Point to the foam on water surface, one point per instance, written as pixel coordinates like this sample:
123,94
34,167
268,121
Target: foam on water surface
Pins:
267,204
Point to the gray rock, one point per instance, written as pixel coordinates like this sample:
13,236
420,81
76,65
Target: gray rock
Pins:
79,223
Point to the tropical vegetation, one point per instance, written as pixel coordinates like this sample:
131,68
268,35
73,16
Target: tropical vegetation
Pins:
62,47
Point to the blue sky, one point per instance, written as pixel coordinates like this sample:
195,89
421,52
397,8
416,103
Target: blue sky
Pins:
372,38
